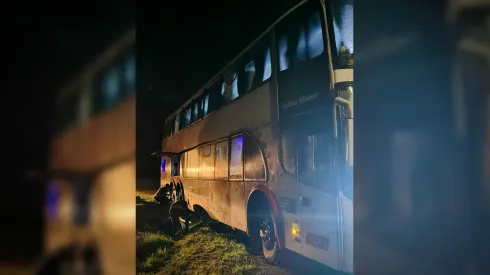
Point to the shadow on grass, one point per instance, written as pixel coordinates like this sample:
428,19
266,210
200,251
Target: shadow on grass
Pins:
206,249
210,248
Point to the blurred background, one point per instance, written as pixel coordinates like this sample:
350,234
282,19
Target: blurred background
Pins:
51,49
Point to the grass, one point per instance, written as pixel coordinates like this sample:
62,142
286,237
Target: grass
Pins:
201,251
152,251
143,198
205,252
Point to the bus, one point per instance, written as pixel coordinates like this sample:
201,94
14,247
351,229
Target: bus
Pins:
95,136
266,146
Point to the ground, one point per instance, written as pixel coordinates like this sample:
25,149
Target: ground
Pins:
209,249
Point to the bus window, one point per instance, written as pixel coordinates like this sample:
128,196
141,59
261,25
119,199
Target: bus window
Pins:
162,165
195,115
216,95
315,161
288,153
221,160
204,105
177,123
253,159
236,161
309,155
267,64
315,36
187,117
249,73
234,87
255,67
300,37
230,91
182,164
169,127
283,47
342,12
206,162
175,166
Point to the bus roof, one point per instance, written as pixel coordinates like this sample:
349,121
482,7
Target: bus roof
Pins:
234,60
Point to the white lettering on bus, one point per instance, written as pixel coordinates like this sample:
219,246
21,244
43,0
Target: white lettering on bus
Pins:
301,100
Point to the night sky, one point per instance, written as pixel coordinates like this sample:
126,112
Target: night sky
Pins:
52,42
180,47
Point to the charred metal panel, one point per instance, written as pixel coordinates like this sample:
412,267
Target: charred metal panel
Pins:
220,201
287,204
238,199
197,192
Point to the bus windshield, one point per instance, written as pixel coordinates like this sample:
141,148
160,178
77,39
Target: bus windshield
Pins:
342,12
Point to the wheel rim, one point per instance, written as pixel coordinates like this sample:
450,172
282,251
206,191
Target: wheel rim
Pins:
267,233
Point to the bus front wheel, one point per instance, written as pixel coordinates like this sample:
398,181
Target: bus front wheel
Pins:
264,235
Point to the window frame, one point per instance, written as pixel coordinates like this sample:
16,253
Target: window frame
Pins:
331,187
229,158
263,44
178,168
163,165
331,30
255,143
294,16
227,140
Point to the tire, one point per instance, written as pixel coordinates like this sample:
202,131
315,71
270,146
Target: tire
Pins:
264,237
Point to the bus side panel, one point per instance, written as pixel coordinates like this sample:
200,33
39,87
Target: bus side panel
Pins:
251,110
238,201
286,190
220,201
198,193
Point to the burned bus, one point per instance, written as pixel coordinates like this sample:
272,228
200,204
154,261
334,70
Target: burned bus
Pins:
266,146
